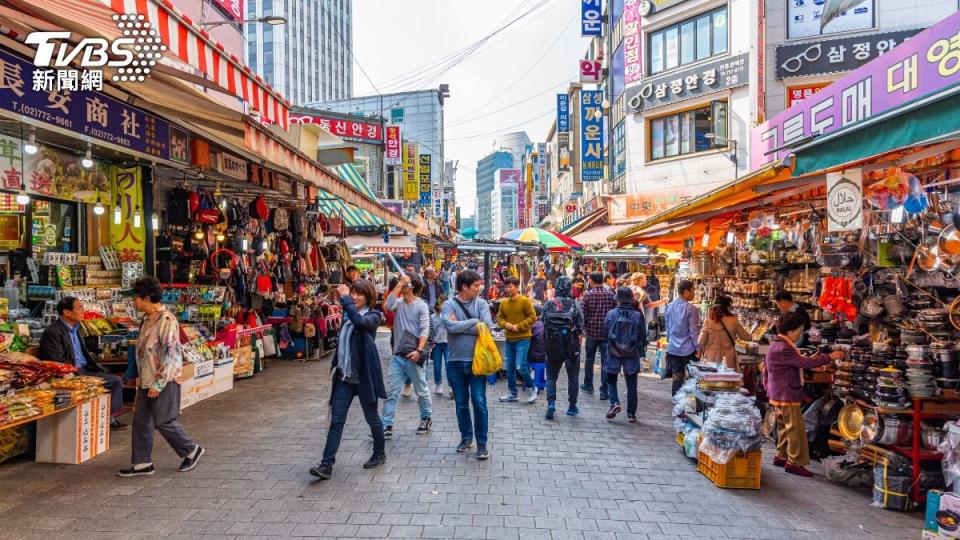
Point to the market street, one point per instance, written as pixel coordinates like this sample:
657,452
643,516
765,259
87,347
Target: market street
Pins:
583,477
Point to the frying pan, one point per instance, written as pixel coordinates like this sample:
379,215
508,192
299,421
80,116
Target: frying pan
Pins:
949,240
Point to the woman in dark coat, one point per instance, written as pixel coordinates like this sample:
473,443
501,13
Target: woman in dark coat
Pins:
356,372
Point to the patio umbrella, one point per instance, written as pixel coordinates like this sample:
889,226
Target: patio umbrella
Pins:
553,241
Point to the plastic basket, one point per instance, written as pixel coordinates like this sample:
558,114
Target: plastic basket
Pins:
741,472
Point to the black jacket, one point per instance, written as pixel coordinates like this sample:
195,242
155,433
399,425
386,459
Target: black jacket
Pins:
363,347
55,345
425,293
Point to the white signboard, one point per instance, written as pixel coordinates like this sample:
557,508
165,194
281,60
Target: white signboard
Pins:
803,18
845,201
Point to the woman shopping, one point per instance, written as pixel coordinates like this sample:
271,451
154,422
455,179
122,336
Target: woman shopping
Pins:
356,373
720,332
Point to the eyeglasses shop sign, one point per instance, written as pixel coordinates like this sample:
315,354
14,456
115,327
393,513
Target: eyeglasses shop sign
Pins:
690,83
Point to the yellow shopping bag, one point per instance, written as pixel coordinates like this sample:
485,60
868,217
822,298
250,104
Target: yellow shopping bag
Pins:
486,356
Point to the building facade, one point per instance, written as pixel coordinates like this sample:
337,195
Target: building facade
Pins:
309,59
565,185
486,181
505,202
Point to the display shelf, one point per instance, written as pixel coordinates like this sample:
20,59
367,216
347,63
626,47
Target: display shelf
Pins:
923,454
29,419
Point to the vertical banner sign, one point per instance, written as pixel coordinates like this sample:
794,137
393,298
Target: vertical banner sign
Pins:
590,71
591,135
845,201
563,113
393,149
128,240
632,61
590,23
411,184
425,180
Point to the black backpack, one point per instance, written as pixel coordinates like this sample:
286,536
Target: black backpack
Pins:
560,319
623,338
178,207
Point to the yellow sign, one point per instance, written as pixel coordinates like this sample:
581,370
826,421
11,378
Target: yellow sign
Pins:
411,172
129,241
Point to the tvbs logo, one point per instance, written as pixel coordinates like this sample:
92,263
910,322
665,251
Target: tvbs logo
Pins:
133,55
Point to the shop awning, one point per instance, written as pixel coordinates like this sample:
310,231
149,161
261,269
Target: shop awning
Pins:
373,245
354,217
583,222
599,234
672,238
349,174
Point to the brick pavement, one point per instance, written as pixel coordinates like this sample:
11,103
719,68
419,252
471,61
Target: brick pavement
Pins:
575,478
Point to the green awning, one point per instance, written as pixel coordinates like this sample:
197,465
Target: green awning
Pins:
353,217
928,124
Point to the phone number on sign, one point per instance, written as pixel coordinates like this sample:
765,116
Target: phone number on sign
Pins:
40,114
107,136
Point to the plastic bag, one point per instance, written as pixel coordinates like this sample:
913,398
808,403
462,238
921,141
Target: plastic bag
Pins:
486,356
846,470
733,425
690,440
950,448
891,487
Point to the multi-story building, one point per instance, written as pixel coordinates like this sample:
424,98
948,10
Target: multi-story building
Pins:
364,134
516,143
505,202
563,149
309,58
486,180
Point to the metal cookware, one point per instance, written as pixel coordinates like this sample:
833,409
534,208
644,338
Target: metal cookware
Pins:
931,438
949,241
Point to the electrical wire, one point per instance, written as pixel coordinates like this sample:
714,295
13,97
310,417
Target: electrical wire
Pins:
503,129
522,101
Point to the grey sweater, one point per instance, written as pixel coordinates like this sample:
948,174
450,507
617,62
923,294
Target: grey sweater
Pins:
462,333
413,317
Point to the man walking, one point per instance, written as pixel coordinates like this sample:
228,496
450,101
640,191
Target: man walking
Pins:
516,316
683,331
596,303
432,290
461,314
411,328
563,324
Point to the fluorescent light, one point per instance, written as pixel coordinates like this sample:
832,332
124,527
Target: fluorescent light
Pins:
155,222
98,208
30,147
117,213
896,215
136,218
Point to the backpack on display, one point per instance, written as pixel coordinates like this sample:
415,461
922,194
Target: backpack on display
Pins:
259,209
558,320
298,222
623,339
280,220
178,207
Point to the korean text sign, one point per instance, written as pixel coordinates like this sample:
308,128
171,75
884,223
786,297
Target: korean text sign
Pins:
393,150
590,18
633,61
351,129
411,182
425,180
928,62
563,113
591,135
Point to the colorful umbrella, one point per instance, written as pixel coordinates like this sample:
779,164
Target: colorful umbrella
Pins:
553,241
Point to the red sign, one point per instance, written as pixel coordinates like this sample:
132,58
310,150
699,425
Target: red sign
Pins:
233,8
796,94
394,152
351,129
590,71
570,208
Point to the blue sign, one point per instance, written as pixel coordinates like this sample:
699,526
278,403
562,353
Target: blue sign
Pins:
86,112
591,23
591,135
563,113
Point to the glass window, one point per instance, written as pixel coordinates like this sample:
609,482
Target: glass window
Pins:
671,135
672,52
688,44
656,52
688,41
620,148
267,8
656,138
686,132
703,37
720,31
53,227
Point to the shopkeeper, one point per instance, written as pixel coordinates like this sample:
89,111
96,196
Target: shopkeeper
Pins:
62,342
784,383
786,305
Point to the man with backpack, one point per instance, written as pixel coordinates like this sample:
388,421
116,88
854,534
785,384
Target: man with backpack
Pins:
626,333
595,304
563,324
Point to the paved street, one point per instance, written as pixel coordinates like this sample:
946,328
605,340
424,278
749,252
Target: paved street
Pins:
571,478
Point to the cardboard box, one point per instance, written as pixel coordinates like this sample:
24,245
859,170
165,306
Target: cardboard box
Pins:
75,435
199,387
939,501
222,378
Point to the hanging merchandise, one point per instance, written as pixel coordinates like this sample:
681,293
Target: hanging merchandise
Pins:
259,208
208,212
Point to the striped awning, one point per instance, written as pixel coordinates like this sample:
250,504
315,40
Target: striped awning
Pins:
349,174
354,217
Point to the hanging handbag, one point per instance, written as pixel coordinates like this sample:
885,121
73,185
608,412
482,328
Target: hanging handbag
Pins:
335,226
208,213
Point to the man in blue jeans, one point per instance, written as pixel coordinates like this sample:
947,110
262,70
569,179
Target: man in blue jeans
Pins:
516,315
411,329
461,314
595,304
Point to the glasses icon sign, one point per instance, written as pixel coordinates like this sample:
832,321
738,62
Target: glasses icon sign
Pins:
812,54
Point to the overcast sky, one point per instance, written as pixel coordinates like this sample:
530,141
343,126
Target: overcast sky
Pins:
537,55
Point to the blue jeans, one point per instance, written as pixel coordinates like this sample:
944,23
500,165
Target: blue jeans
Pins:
400,370
517,360
340,400
539,375
468,387
631,378
439,358
593,347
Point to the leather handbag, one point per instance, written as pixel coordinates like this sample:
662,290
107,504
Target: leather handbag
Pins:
335,226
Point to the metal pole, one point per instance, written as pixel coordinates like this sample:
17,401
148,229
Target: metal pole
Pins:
486,275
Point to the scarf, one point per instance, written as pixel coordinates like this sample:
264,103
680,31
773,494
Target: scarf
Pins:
344,358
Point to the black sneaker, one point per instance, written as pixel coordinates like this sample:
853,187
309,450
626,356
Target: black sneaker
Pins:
375,461
190,462
322,471
482,453
117,425
387,432
134,471
603,395
424,426
586,389
464,447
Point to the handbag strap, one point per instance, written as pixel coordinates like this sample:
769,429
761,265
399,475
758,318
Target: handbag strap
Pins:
727,332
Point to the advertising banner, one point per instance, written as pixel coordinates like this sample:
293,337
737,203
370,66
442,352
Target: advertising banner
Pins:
591,135
591,23
836,55
633,61
590,71
359,130
425,177
411,179
804,18
845,201
128,240
231,165
689,83
925,64
649,7
563,151
233,8
563,113
392,155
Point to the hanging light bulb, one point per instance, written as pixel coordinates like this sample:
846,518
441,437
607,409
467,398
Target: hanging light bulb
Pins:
136,217
244,245
155,222
30,147
266,245
87,161
198,233
22,198
117,213
731,236
706,237
220,237
98,208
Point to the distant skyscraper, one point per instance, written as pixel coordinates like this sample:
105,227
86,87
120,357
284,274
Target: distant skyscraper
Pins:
516,143
486,169
308,59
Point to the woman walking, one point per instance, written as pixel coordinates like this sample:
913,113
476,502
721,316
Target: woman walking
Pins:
718,335
356,373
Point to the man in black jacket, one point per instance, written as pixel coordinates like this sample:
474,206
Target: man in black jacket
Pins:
62,342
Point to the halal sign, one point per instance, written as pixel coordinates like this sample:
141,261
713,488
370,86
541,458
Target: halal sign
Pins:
845,201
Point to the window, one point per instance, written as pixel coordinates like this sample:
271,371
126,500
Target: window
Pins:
686,132
688,41
620,149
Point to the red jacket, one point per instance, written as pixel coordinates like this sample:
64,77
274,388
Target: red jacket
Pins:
783,371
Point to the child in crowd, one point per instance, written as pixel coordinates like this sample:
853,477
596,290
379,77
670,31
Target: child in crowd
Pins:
439,354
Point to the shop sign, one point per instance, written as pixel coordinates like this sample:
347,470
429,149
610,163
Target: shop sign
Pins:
591,135
282,183
233,8
632,57
259,176
179,145
591,71
392,153
411,179
88,113
649,7
360,130
637,206
570,208
300,191
805,17
689,83
563,113
591,23
425,180
563,151
231,165
10,231
437,204
396,116
925,64
129,241
51,173
201,154
845,201
796,94
836,55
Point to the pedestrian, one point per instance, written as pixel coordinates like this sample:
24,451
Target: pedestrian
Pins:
540,287
159,366
610,280
718,335
432,289
563,324
438,354
537,356
784,384
356,372
461,314
516,315
411,330
596,303
625,329
551,291
579,283
351,274
683,332
786,304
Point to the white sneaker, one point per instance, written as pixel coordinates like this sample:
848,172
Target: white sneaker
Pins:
439,390
532,395
407,390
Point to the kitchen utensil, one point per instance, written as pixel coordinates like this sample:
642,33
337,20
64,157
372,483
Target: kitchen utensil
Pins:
850,421
931,438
